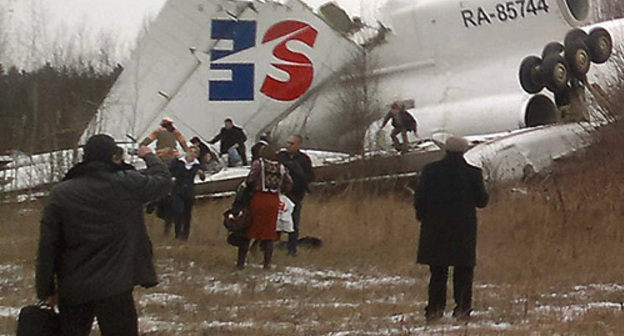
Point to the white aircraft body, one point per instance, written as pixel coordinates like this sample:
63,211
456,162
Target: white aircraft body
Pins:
460,66
278,67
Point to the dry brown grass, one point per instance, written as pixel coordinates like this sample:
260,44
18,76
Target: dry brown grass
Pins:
549,262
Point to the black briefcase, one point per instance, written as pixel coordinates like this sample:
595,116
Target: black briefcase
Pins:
38,320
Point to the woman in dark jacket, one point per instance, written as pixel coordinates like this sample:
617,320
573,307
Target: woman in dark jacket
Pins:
267,179
183,170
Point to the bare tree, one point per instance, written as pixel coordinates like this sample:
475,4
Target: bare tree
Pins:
3,36
356,104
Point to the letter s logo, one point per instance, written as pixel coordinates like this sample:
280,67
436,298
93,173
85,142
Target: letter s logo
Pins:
298,66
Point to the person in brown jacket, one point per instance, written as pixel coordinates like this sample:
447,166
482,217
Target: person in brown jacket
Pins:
167,137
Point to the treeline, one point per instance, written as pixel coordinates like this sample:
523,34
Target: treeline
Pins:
48,108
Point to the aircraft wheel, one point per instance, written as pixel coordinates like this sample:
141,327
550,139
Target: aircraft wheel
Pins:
552,48
575,35
578,58
530,76
600,45
555,73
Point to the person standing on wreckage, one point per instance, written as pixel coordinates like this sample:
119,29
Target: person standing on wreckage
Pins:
232,137
167,137
447,194
403,122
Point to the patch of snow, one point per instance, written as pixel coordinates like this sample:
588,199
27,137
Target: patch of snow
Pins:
159,298
221,324
216,286
9,311
152,324
571,312
601,287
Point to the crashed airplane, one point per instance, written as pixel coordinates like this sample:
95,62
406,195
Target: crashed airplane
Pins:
498,72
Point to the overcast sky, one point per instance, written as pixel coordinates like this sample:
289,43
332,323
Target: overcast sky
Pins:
123,17
120,19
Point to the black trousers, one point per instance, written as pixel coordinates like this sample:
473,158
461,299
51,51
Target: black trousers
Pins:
116,316
293,237
462,290
243,153
182,221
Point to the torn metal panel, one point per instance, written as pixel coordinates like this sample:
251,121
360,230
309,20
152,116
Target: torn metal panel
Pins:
525,152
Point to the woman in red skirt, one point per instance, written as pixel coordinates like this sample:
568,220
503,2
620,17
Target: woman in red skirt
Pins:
267,179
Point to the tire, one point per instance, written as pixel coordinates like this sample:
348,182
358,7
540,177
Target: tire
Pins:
552,48
530,76
575,35
600,45
555,73
578,58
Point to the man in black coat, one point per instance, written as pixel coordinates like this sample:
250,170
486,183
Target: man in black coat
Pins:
445,201
300,168
93,247
229,136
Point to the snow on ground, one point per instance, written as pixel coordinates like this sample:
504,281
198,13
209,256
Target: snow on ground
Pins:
8,311
332,302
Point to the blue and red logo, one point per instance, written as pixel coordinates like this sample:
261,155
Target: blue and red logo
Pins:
296,65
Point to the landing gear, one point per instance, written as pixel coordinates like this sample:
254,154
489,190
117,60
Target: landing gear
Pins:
576,53
555,73
563,68
600,45
530,75
551,72
561,63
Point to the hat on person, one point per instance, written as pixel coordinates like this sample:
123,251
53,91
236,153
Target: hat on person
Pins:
456,144
100,147
166,120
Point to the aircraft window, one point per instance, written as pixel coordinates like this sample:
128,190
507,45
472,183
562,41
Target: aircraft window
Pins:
578,8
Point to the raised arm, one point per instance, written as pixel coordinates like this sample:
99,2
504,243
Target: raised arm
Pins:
386,119
181,140
148,139
216,138
152,184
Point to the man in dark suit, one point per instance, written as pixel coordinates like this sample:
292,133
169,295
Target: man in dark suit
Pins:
300,168
231,136
448,192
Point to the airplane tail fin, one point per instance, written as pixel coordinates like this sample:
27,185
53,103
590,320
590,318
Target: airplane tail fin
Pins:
251,61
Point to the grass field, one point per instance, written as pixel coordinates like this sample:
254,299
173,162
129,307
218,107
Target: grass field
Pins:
550,262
